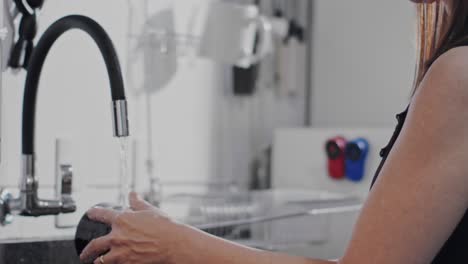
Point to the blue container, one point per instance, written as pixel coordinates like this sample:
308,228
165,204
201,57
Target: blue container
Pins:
356,156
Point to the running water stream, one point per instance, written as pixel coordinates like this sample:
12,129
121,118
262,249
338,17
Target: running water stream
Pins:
124,176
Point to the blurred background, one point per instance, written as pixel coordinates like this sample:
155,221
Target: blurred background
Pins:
231,105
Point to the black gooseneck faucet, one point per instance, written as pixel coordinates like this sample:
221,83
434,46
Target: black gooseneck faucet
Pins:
28,203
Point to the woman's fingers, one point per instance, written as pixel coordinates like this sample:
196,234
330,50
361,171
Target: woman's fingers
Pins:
102,215
138,204
109,258
95,248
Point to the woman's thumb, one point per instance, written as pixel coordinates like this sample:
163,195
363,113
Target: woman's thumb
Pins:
137,203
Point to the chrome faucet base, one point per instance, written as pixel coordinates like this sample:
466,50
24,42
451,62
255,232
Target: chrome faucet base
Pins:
31,205
28,203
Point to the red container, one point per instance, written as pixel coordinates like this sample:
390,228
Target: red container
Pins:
335,150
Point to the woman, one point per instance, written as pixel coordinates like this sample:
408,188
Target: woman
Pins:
415,212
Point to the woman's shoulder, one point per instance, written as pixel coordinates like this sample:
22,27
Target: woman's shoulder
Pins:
447,78
453,63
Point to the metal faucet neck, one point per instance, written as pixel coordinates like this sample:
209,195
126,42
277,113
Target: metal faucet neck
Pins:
36,63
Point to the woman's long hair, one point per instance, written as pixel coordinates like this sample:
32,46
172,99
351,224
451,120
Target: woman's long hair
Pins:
433,39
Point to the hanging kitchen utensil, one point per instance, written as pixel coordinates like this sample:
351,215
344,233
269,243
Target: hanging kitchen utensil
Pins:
281,29
291,52
153,57
235,34
268,70
245,79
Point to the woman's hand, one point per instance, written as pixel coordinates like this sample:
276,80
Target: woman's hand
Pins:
141,235
144,235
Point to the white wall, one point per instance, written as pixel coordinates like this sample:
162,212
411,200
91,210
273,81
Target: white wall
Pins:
363,61
300,163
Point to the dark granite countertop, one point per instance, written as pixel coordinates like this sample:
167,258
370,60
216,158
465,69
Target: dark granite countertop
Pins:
43,252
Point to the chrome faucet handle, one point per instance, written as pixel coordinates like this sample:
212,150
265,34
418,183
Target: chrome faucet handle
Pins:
5,209
66,173
68,205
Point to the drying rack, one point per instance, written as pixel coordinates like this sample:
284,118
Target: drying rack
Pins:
272,220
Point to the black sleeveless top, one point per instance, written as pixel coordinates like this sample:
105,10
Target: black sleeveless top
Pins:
455,249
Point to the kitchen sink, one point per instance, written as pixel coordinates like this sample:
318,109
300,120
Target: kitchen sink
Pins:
38,252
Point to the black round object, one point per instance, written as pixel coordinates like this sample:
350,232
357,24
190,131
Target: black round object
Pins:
333,150
353,152
88,229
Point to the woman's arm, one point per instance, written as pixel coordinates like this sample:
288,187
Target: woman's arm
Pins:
207,249
420,197
422,192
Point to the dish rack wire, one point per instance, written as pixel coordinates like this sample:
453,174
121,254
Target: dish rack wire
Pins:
270,220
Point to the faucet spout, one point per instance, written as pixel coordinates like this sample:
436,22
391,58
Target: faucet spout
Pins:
36,63
28,204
